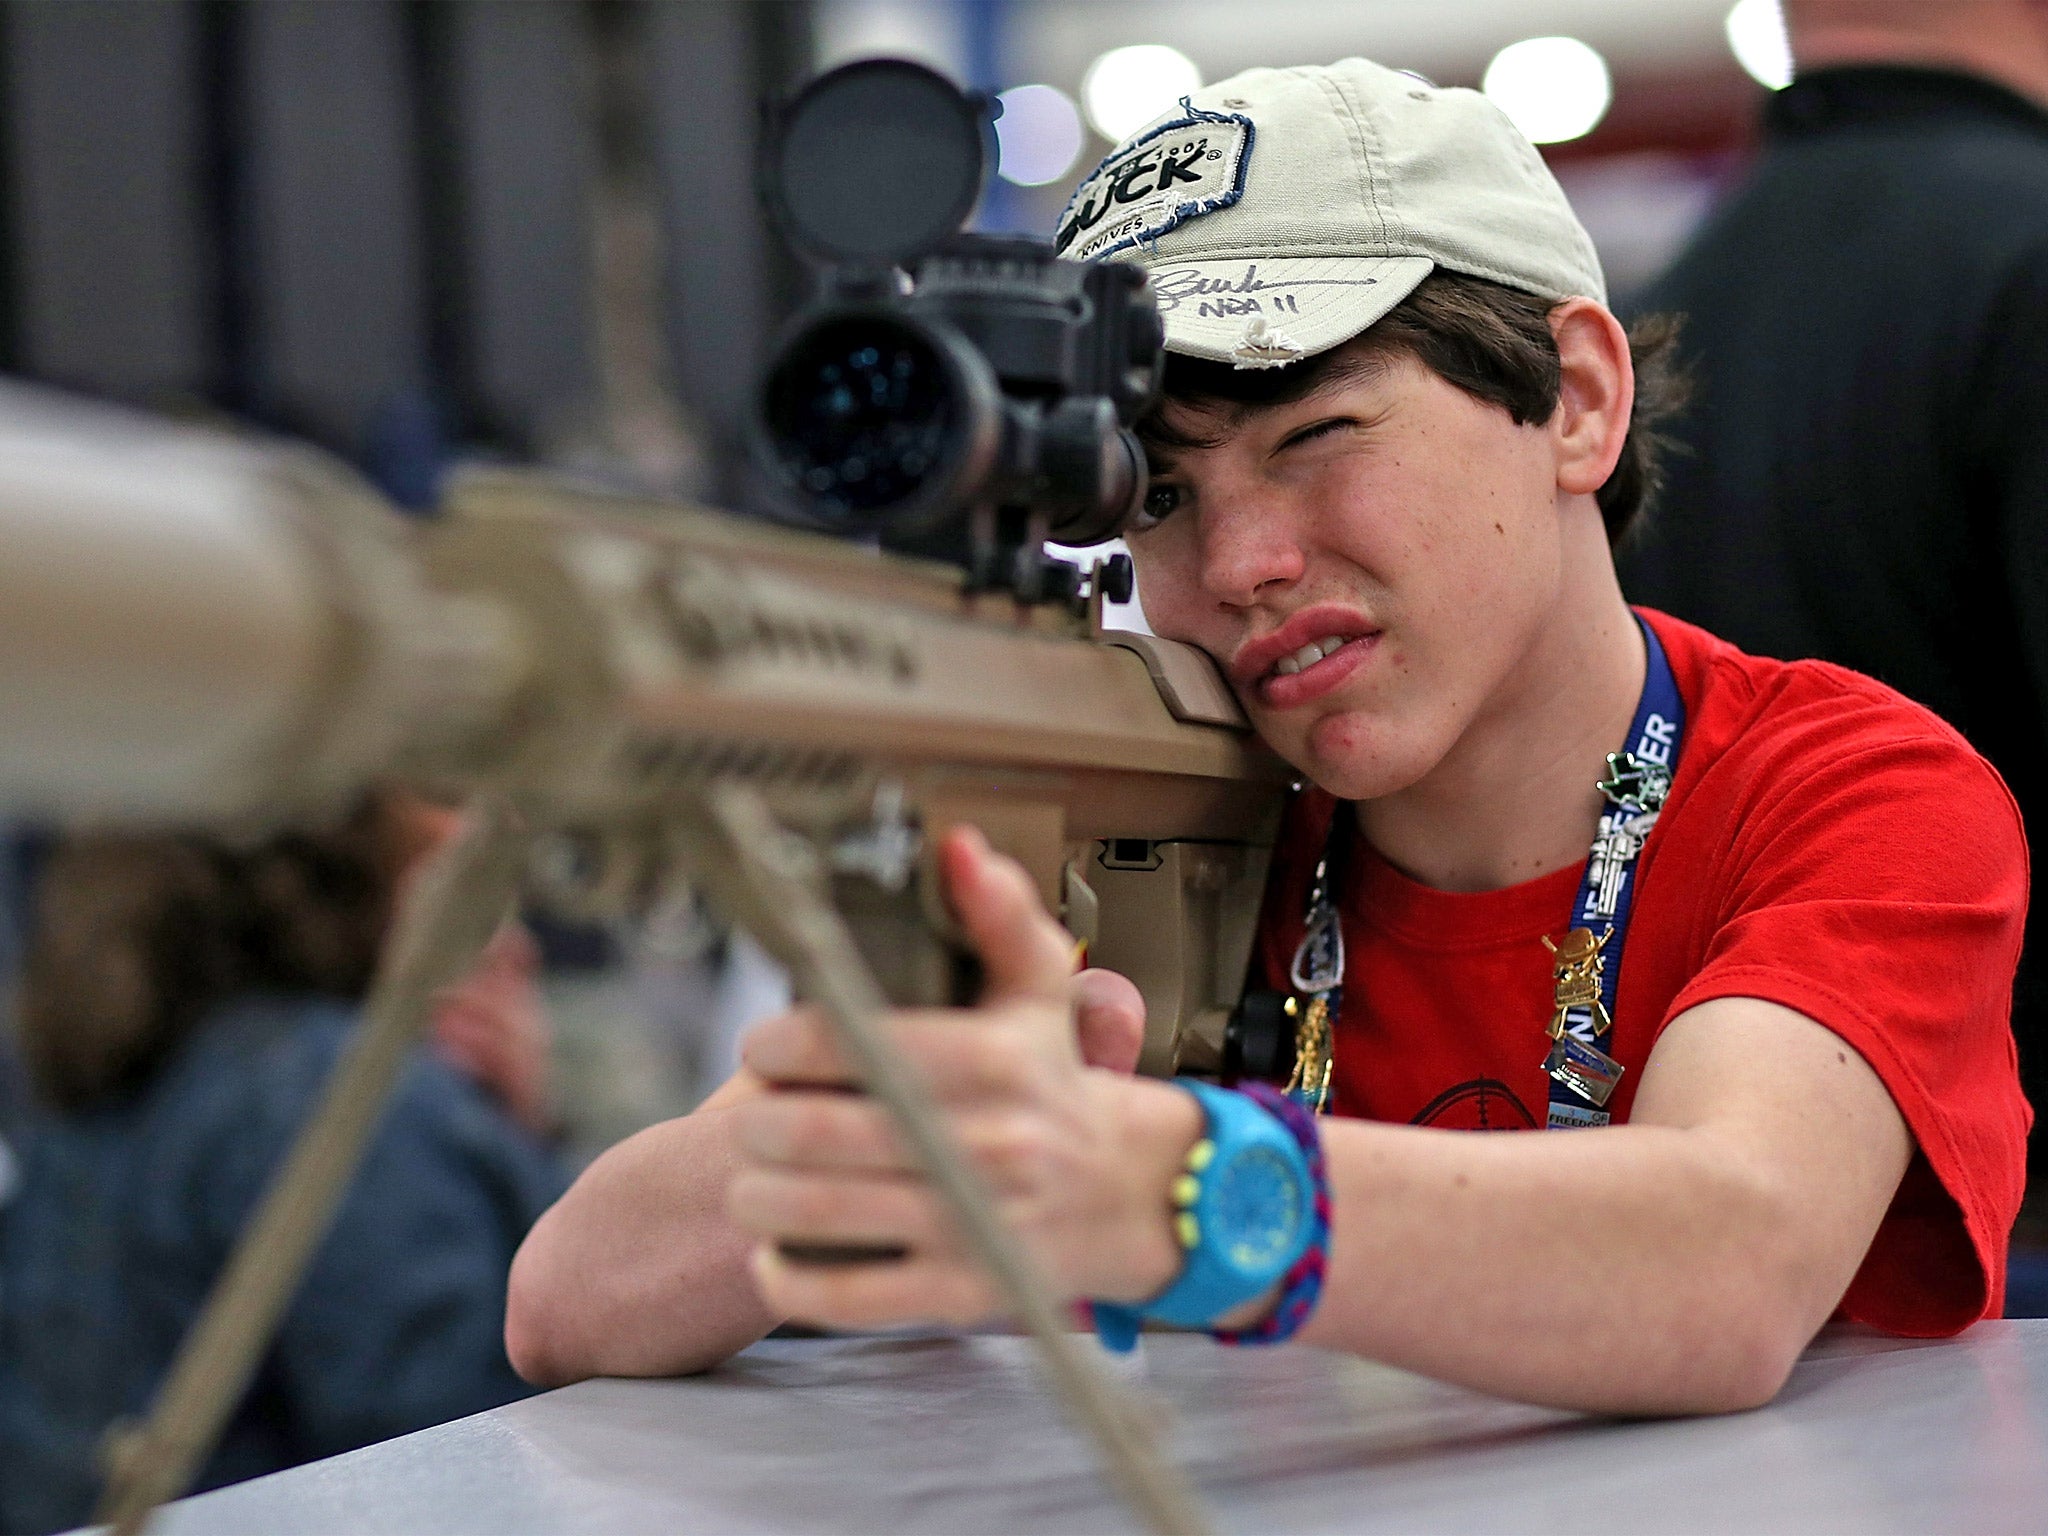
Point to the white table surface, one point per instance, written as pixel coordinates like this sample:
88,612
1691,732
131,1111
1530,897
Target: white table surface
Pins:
951,1436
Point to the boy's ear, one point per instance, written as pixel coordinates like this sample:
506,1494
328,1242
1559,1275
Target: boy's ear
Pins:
1596,392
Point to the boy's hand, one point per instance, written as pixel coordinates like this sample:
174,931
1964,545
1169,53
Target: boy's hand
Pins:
1079,1157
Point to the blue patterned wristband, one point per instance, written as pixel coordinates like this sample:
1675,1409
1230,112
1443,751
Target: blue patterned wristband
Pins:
1302,1286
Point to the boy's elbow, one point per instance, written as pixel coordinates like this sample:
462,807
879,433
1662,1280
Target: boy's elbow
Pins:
1755,1363
1743,1350
1757,1302
533,1327
1728,1366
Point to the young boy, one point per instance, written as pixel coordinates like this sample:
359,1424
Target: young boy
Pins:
1733,939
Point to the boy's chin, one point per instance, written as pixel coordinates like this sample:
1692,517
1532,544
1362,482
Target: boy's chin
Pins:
1354,755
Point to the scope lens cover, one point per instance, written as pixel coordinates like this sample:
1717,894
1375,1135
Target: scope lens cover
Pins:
862,417
877,162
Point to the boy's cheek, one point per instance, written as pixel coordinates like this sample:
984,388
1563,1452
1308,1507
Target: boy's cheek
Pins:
1166,589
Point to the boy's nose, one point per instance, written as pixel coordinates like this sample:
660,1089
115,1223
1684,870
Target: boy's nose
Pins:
1248,554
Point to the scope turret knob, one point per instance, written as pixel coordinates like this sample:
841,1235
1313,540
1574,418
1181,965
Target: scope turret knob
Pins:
1115,579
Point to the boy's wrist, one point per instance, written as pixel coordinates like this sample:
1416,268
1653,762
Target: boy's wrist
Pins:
1252,1313
1252,1212
1156,1126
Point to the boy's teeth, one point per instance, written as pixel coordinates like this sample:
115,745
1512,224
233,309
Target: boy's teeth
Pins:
1307,656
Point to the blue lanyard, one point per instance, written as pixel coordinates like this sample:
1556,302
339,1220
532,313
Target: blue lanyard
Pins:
1588,969
1588,961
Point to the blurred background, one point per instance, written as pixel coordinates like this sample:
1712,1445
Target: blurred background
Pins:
420,233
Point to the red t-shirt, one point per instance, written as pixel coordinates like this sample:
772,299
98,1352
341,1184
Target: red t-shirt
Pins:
1828,846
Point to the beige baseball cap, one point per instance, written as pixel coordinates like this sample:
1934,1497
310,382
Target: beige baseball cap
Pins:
1283,211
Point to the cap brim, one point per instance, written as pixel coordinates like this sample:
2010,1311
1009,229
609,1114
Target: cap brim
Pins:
1267,313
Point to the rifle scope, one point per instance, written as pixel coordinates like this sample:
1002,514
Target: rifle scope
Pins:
959,396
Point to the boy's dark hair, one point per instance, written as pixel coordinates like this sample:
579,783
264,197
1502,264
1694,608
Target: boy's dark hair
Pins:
1491,341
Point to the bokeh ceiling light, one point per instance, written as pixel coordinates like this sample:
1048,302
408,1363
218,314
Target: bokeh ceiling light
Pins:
1552,88
1127,87
1756,33
1039,134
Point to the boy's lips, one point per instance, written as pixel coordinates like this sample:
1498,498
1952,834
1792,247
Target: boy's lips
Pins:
1288,691
1306,657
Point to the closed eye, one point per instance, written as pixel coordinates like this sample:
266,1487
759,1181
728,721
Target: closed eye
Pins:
1314,430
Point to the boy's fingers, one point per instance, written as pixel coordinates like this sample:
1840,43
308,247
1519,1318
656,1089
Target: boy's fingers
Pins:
862,1210
959,1058
1024,953
820,1130
796,1048
836,1135
921,1290
1109,1020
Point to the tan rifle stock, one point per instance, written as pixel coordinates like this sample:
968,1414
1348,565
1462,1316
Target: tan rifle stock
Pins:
203,631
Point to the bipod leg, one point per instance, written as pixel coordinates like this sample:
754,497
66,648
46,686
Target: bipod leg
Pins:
453,907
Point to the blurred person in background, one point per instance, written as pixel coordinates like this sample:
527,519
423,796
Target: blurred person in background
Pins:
181,1004
1867,326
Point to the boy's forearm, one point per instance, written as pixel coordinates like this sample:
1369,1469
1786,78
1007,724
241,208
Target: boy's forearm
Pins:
1641,1269
637,1271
